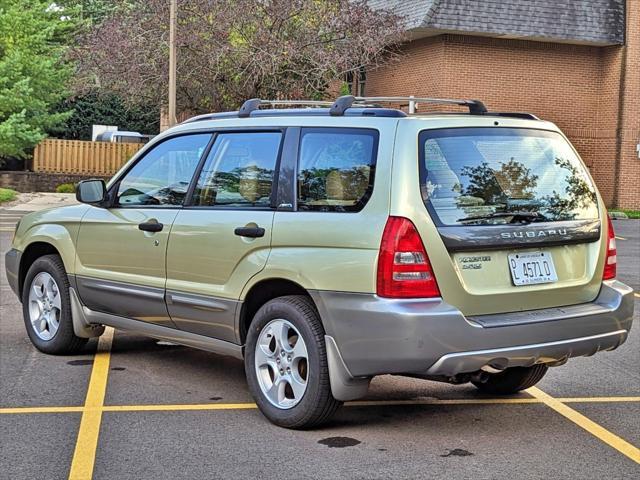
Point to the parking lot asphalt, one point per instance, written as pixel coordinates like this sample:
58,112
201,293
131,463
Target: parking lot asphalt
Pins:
143,409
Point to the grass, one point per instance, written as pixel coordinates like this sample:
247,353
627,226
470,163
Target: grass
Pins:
630,213
6,195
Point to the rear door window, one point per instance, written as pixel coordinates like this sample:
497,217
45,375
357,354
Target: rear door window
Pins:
239,171
483,176
336,168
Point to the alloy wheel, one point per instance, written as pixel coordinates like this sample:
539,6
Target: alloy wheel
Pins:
281,363
45,306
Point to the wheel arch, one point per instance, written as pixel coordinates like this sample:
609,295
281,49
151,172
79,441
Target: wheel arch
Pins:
343,386
31,253
260,293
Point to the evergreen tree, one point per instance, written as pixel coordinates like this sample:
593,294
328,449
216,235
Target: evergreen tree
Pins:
33,72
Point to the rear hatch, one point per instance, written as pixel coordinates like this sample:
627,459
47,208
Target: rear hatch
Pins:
517,215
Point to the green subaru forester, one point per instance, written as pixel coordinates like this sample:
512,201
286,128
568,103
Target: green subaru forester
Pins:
328,244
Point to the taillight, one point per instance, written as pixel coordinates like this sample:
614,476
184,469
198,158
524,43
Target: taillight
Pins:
404,270
611,260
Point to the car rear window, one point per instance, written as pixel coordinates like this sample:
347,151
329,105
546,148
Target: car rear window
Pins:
336,168
485,176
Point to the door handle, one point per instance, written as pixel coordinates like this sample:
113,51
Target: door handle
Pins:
252,232
151,226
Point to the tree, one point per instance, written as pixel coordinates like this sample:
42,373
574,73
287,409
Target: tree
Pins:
87,13
578,193
231,50
512,180
33,73
104,109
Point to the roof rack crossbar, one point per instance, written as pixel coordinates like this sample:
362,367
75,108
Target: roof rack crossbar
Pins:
255,103
341,104
476,107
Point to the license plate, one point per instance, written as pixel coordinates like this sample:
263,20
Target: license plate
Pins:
532,268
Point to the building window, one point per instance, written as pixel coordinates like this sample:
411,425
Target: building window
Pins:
348,79
362,80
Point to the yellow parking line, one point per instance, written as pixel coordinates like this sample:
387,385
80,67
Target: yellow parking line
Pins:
41,410
444,401
598,399
590,426
362,403
170,408
487,401
87,442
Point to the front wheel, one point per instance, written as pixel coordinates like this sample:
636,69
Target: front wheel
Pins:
512,380
286,364
46,307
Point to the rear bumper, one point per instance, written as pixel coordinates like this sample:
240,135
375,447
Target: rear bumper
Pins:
376,335
12,266
526,355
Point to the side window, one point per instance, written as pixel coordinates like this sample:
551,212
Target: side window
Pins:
336,168
239,170
163,175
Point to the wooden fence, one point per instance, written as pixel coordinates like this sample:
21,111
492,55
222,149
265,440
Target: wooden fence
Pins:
81,157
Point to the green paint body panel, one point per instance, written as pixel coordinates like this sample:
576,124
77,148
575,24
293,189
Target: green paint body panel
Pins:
486,291
189,282
197,252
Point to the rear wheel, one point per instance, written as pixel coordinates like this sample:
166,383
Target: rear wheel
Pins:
46,307
286,364
512,380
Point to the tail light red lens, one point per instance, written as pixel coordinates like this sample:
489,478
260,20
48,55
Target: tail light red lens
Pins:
404,270
611,262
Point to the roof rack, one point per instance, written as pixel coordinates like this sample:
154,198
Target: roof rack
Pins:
255,103
476,107
523,115
358,105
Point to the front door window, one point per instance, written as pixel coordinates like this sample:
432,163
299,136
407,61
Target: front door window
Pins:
162,176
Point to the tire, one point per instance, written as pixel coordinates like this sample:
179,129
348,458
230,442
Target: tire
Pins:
56,305
287,408
512,380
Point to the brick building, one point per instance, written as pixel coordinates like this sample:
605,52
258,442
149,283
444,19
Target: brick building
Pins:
574,62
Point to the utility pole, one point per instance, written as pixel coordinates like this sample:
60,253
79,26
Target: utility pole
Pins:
172,62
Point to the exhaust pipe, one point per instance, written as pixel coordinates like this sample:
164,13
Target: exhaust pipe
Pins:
491,369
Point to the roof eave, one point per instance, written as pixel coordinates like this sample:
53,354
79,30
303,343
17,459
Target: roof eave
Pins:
425,32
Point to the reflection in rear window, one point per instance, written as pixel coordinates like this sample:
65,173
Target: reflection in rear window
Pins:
502,175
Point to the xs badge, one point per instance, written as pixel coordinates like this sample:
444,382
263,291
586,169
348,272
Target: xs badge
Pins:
474,263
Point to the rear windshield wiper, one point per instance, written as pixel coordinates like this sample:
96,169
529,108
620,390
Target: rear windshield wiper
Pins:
523,217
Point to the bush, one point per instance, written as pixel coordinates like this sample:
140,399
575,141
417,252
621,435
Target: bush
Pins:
635,214
66,188
104,109
6,195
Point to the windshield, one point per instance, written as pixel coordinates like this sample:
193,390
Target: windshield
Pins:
500,175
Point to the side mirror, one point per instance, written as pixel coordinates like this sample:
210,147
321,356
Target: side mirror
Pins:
93,192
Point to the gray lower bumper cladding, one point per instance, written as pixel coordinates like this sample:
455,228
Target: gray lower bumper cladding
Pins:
553,353
375,336
12,265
